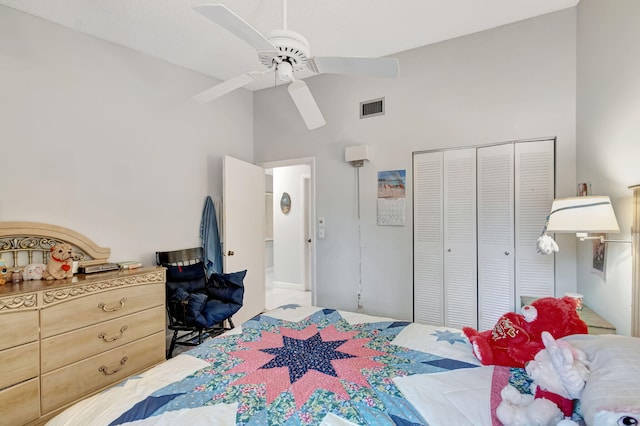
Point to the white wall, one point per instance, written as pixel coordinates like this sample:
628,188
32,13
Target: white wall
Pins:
608,132
289,229
513,82
105,141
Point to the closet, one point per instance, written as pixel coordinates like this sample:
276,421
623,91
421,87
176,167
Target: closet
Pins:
477,215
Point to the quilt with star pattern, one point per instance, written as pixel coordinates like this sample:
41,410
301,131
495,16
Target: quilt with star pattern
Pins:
307,366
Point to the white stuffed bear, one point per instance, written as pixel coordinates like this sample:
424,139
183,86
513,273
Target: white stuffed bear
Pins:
546,245
33,271
517,409
559,373
560,368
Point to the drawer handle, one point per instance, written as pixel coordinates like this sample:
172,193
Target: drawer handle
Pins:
104,337
103,306
103,369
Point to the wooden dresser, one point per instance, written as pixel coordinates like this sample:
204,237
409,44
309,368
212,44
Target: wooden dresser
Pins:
63,340
66,339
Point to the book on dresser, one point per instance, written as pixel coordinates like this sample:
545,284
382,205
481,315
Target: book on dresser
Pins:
129,264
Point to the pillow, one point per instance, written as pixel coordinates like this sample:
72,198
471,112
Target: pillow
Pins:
191,286
227,288
612,391
191,278
217,311
185,272
193,309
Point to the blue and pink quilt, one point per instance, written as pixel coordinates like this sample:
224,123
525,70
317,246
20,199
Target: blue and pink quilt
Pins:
308,366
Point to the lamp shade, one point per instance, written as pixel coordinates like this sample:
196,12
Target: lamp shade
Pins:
583,214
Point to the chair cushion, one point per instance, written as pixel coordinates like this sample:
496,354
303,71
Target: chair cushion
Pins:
216,311
190,286
227,288
196,303
185,272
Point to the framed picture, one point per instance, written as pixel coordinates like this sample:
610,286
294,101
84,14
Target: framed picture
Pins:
584,189
599,261
392,197
285,203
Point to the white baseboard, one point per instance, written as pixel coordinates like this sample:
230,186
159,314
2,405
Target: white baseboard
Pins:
288,286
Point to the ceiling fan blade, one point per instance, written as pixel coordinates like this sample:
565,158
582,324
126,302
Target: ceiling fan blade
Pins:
371,67
307,106
227,86
228,20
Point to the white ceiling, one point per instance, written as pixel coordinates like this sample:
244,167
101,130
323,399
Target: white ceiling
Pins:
170,30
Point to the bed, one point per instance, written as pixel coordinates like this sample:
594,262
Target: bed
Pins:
357,369
309,365
292,365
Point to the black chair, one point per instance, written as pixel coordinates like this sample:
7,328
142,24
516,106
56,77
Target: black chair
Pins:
198,307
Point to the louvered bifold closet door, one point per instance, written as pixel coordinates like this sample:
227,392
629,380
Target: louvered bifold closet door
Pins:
495,233
534,191
460,266
428,238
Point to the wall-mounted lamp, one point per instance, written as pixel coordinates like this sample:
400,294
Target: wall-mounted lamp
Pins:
579,215
583,215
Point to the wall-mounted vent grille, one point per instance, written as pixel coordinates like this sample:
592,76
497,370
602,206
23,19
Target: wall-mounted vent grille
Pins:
372,108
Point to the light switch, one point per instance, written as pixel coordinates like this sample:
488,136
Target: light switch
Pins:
320,232
321,221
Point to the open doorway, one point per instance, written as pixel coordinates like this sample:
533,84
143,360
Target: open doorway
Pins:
289,242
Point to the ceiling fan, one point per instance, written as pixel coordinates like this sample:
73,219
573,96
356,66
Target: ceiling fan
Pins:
283,52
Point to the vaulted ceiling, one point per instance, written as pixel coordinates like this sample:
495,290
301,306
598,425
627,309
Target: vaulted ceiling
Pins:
172,31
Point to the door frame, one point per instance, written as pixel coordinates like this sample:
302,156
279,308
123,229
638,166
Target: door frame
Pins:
308,234
311,162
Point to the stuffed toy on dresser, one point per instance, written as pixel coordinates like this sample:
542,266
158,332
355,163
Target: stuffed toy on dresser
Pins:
60,264
4,271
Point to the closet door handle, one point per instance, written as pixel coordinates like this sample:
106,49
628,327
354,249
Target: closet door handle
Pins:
449,250
506,253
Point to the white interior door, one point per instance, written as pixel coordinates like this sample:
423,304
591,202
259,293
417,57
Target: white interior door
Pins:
428,238
495,233
244,231
460,257
534,192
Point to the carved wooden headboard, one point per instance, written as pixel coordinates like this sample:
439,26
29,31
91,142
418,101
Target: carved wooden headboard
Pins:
22,243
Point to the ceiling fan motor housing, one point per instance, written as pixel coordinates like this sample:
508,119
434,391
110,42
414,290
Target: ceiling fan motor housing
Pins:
293,48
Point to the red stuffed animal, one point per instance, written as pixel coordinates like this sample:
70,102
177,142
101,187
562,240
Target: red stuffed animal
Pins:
516,338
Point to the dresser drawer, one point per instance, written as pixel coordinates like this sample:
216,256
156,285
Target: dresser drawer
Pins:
95,308
67,348
20,403
19,364
78,380
18,328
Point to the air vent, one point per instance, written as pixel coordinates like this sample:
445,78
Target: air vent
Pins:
372,108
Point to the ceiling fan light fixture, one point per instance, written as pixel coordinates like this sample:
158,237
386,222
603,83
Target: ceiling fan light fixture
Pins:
284,52
284,72
292,47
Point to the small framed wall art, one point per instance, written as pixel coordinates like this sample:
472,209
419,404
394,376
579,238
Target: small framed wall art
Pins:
285,203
